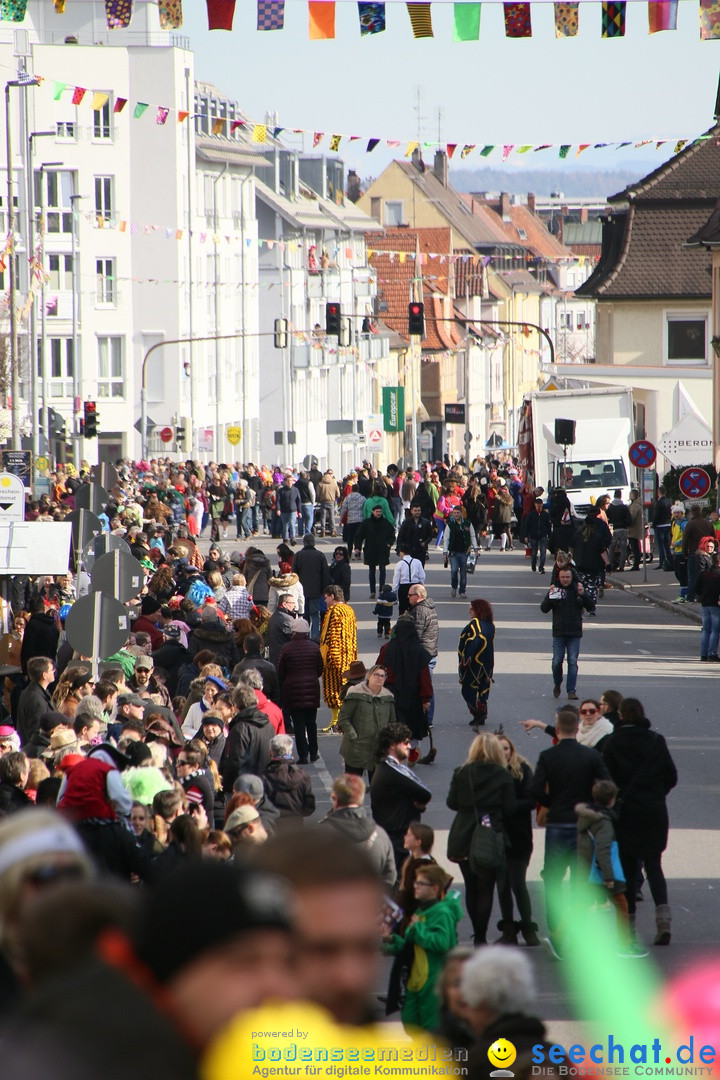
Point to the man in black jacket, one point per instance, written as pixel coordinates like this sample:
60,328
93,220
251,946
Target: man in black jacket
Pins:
312,568
34,701
564,777
537,528
253,658
247,749
397,795
288,506
280,626
618,516
566,600
414,535
661,523
41,635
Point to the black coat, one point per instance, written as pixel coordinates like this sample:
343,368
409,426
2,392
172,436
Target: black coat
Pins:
33,704
566,610
518,824
278,633
271,686
40,638
311,567
392,799
171,656
413,538
247,749
257,566
214,636
375,536
588,553
641,766
299,668
341,574
289,788
12,799
477,788
568,772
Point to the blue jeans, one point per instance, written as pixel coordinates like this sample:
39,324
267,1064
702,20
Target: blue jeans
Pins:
396,505
313,612
243,519
308,513
289,525
431,710
710,630
538,551
327,516
662,538
458,566
560,856
570,647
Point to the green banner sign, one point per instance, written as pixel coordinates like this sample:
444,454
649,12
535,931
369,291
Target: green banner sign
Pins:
393,408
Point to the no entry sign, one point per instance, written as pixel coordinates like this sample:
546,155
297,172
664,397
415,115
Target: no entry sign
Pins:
694,483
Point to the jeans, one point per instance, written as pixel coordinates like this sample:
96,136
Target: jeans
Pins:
327,516
538,551
313,609
372,567
396,505
458,566
254,518
662,537
431,710
570,647
560,856
305,724
243,521
308,514
289,525
619,540
634,545
710,630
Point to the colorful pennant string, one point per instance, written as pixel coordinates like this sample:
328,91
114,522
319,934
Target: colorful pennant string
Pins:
518,22
372,18
120,104
613,19
567,18
161,115
466,22
140,109
321,19
420,20
99,100
78,94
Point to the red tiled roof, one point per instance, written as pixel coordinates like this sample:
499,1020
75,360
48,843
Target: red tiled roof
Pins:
537,240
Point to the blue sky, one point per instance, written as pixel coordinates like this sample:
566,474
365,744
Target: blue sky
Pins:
495,90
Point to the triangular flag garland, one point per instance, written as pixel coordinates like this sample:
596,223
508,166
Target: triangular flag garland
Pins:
613,19
321,19
466,22
139,109
99,101
13,10
420,20
372,18
161,115
78,94
567,18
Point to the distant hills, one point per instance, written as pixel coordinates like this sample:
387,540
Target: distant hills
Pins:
579,183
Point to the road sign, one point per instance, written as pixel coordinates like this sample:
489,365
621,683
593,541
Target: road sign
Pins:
309,461
117,574
97,625
42,464
91,497
234,435
694,483
166,434
99,545
18,462
12,498
642,454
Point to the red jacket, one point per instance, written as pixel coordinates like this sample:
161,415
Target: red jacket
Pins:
272,711
86,792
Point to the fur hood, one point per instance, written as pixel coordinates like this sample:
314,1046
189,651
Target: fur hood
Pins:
284,581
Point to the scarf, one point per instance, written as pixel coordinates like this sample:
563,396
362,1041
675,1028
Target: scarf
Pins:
591,734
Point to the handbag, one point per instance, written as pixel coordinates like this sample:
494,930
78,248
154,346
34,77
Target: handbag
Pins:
487,845
471,561
595,877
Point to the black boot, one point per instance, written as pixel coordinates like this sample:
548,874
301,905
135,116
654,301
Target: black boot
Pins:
509,932
431,754
529,932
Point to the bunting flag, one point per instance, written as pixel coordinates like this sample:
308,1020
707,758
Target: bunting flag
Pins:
372,143
220,14
59,7
321,19
566,20
581,147
679,145
78,95
171,17
709,20
161,115
450,149
218,126
466,22
613,18
139,109
506,152
317,138
335,142
411,148
182,116
118,14
564,151
99,100
662,15
259,134
372,18
518,22
120,104
270,14
58,90
487,151
467,149
420,19
13,10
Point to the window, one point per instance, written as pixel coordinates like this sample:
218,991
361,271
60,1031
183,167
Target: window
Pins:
61,368
522,234
104,197
111,383
686,339
394,214
102,128
66,129
582,320
60,272
59,186
106,292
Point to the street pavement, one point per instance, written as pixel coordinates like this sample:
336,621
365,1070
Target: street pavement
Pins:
633,646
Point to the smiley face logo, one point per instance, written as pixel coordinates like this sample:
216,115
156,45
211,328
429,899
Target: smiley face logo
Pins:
502,1053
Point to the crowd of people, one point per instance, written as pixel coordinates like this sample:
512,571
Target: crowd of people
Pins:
156,803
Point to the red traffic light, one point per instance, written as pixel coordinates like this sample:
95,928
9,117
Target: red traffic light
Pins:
90,407
416,309
333,309
416,318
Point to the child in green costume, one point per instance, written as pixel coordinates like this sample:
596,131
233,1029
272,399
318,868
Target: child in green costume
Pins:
432,933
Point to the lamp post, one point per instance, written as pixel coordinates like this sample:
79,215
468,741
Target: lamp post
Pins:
216,264
32,317
14,359
76,368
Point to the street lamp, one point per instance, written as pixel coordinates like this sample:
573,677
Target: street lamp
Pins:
216,264
45,409
14,358
76,372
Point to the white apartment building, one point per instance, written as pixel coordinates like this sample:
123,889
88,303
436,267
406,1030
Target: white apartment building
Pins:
150,236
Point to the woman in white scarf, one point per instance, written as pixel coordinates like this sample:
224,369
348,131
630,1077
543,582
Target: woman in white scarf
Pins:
594,727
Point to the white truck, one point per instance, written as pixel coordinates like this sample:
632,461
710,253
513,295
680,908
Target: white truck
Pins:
597,463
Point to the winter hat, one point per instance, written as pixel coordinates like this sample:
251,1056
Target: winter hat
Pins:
242,816
249,784
138,752
202,906
50,720
6,731
89,706
677,508
149,605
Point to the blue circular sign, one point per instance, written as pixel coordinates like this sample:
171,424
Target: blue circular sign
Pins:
642,454
694,483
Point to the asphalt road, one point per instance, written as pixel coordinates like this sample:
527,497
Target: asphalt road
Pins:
633,646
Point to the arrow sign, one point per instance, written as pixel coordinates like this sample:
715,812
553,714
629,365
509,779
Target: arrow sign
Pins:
642,454
694,483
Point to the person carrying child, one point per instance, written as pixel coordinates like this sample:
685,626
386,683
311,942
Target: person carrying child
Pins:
597,847
384,607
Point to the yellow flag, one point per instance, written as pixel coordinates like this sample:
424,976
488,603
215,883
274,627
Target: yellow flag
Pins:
99,101
335,142
218,126
259,133
410,147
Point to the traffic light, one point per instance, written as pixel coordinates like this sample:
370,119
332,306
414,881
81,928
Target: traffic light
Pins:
416,319
332,319
280,330
91,420
180,437
345,333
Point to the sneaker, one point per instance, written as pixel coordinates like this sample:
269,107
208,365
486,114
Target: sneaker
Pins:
314,757
703,657
463,596
551,947
453,592
556,691
679,600
572,696
541,570
380,634
633,951
372,596
714,658
534,570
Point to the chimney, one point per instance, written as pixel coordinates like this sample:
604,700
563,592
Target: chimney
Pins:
583,214
440,167
505,206
531,201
